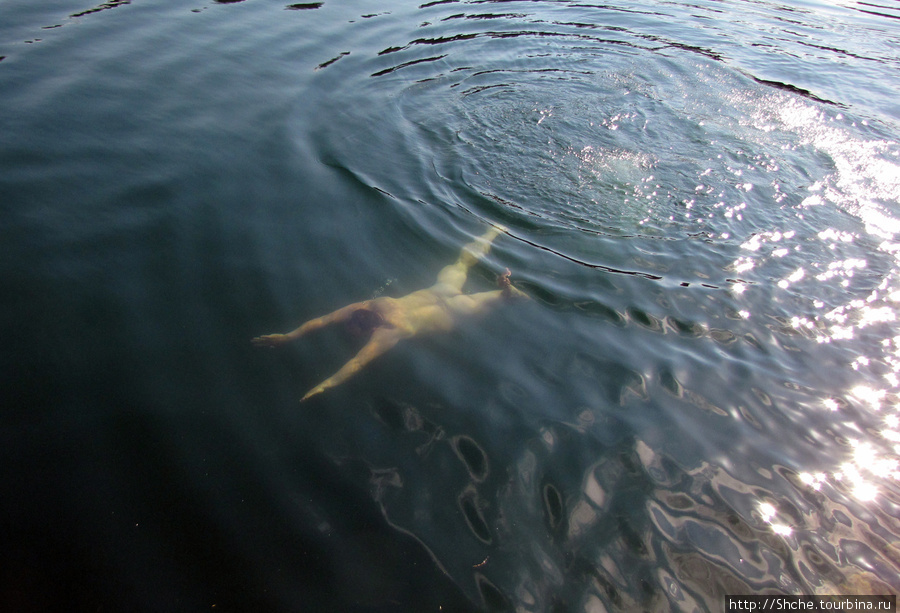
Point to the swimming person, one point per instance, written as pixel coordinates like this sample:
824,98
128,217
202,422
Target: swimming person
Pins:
389,320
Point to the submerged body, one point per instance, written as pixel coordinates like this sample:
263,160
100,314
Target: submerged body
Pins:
390,320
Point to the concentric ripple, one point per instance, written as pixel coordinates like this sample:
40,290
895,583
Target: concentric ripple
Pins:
700,398
574,120
737,226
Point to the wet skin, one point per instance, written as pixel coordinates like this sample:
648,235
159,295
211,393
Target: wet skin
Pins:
434,309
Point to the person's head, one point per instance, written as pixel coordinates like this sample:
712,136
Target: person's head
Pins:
363,322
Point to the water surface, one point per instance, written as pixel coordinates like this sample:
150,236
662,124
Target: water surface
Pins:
699,400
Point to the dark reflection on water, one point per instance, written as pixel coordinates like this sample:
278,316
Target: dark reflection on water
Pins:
102,7
305,6
699,400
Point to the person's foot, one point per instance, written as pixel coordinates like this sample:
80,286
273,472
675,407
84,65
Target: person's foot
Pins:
270,340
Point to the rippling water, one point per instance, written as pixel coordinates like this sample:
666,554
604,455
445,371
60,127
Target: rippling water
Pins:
700,399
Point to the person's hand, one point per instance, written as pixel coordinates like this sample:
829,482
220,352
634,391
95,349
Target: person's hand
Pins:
270,340
503,281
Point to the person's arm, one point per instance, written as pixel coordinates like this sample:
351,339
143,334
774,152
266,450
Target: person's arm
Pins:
472,304
270,340
454,275
382,340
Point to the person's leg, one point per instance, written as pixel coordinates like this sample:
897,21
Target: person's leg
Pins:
382,340
270,340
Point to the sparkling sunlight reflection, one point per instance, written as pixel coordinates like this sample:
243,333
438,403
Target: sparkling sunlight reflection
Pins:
845,307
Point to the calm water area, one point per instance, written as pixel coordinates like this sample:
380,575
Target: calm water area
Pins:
701,397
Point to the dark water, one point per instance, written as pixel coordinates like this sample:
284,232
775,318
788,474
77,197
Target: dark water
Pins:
701,398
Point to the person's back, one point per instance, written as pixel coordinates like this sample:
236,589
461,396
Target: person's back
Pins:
421,311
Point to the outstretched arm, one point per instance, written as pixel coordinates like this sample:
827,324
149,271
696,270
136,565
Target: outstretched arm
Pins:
270,340
454,275
382,340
